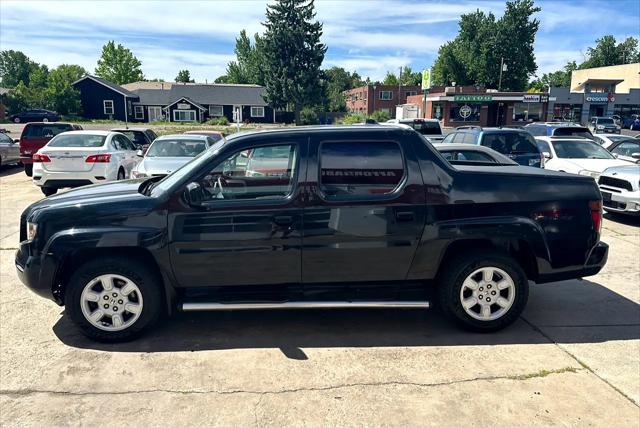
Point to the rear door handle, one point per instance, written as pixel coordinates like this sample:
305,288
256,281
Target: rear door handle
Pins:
283,220
404,216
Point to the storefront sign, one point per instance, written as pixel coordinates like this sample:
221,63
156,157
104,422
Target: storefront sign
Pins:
465,111
183,106
544,98
531,98
476,98
597,98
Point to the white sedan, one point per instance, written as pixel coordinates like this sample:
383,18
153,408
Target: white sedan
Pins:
576,155
78,158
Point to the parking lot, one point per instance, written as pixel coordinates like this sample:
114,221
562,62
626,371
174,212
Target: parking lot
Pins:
572,359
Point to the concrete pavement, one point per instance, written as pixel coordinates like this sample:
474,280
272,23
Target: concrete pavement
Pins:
572,359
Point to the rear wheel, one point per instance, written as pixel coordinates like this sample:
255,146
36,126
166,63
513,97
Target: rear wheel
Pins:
28,169
45,119
48,191
483,292
113,299
16,120
120,174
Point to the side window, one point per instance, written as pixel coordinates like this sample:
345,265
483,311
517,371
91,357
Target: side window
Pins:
265,172
468,139
449,138
118,143
360,169
626,149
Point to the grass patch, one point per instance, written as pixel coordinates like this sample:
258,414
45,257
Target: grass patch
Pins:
545,373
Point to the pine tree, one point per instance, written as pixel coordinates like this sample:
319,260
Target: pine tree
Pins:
293,55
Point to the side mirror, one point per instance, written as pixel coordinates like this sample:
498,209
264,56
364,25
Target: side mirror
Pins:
140,153
193,194
546,155
635,155
16,140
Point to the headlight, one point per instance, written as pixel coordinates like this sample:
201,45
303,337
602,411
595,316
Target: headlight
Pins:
600,127
594,174
138,174
32,229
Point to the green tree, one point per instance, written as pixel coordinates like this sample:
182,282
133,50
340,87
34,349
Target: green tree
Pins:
390,79
14,68
293,55
560,78
606,52
248,66
184,77
409,77
61,95
117,64
336,81
474,56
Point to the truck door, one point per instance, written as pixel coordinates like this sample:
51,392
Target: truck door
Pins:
248,229
365,212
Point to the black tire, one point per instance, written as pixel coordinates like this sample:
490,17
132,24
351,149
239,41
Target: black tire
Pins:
146,280
45,119
121,175
455,273
28,169
48,191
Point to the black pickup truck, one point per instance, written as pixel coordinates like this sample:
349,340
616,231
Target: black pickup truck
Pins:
319,217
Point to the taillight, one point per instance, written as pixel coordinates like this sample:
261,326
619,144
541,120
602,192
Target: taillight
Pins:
38,157
596,214
103,158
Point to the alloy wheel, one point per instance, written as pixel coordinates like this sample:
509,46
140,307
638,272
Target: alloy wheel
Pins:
487,293
111,302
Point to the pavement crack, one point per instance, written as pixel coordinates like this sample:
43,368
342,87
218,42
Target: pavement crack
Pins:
539,374
582,363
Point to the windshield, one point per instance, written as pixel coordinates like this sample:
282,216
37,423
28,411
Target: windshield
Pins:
510,143
577,149
617,138
605,121
77,140
176,148
184,171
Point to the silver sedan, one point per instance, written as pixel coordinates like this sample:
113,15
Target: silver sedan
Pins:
9,150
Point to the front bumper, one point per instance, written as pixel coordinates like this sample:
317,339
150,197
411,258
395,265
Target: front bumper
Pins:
35,272
595,262
621,201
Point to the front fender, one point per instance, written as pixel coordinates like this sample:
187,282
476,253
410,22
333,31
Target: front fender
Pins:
499,231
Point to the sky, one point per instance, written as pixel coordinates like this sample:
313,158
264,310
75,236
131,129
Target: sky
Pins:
367,36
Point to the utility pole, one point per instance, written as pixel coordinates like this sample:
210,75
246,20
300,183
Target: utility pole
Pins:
399,85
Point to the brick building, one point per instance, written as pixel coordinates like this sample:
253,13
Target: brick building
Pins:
367,99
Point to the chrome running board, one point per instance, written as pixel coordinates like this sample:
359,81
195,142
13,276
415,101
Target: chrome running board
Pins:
216,306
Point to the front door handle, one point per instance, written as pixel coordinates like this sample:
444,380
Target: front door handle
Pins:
404,216
283,220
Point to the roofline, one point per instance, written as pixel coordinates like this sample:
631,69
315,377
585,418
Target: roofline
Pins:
88,76
189,100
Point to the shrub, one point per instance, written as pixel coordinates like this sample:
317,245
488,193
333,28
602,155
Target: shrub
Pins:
380,116
308,116
219,121
352,118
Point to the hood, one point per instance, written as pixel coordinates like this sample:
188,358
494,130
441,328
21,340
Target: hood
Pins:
97,193
161,165
597,165
626,172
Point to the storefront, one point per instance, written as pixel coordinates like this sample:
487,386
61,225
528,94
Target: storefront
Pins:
455,108
580,107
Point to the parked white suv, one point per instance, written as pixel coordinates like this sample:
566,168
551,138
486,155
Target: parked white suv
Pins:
620,188
78,158
576,155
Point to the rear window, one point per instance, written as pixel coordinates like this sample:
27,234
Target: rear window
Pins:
423,127
32,131
137,137
176,148
77,140
510,143
536,130
572,131
360,169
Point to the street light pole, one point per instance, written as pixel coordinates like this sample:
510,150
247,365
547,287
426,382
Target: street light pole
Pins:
374,99
502,67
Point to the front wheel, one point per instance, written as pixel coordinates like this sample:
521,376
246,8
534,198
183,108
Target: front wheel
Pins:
45,119
113,299
121,175
16,120
483,292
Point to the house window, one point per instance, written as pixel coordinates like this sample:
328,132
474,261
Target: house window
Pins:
108,107
138,112
216,111
410,93
184,115
386,95
257,111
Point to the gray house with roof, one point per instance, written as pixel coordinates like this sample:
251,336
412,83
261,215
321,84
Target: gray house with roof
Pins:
172,102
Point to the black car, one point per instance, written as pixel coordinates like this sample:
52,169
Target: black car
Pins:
141,137
35,115
319,217
558,129
516,144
